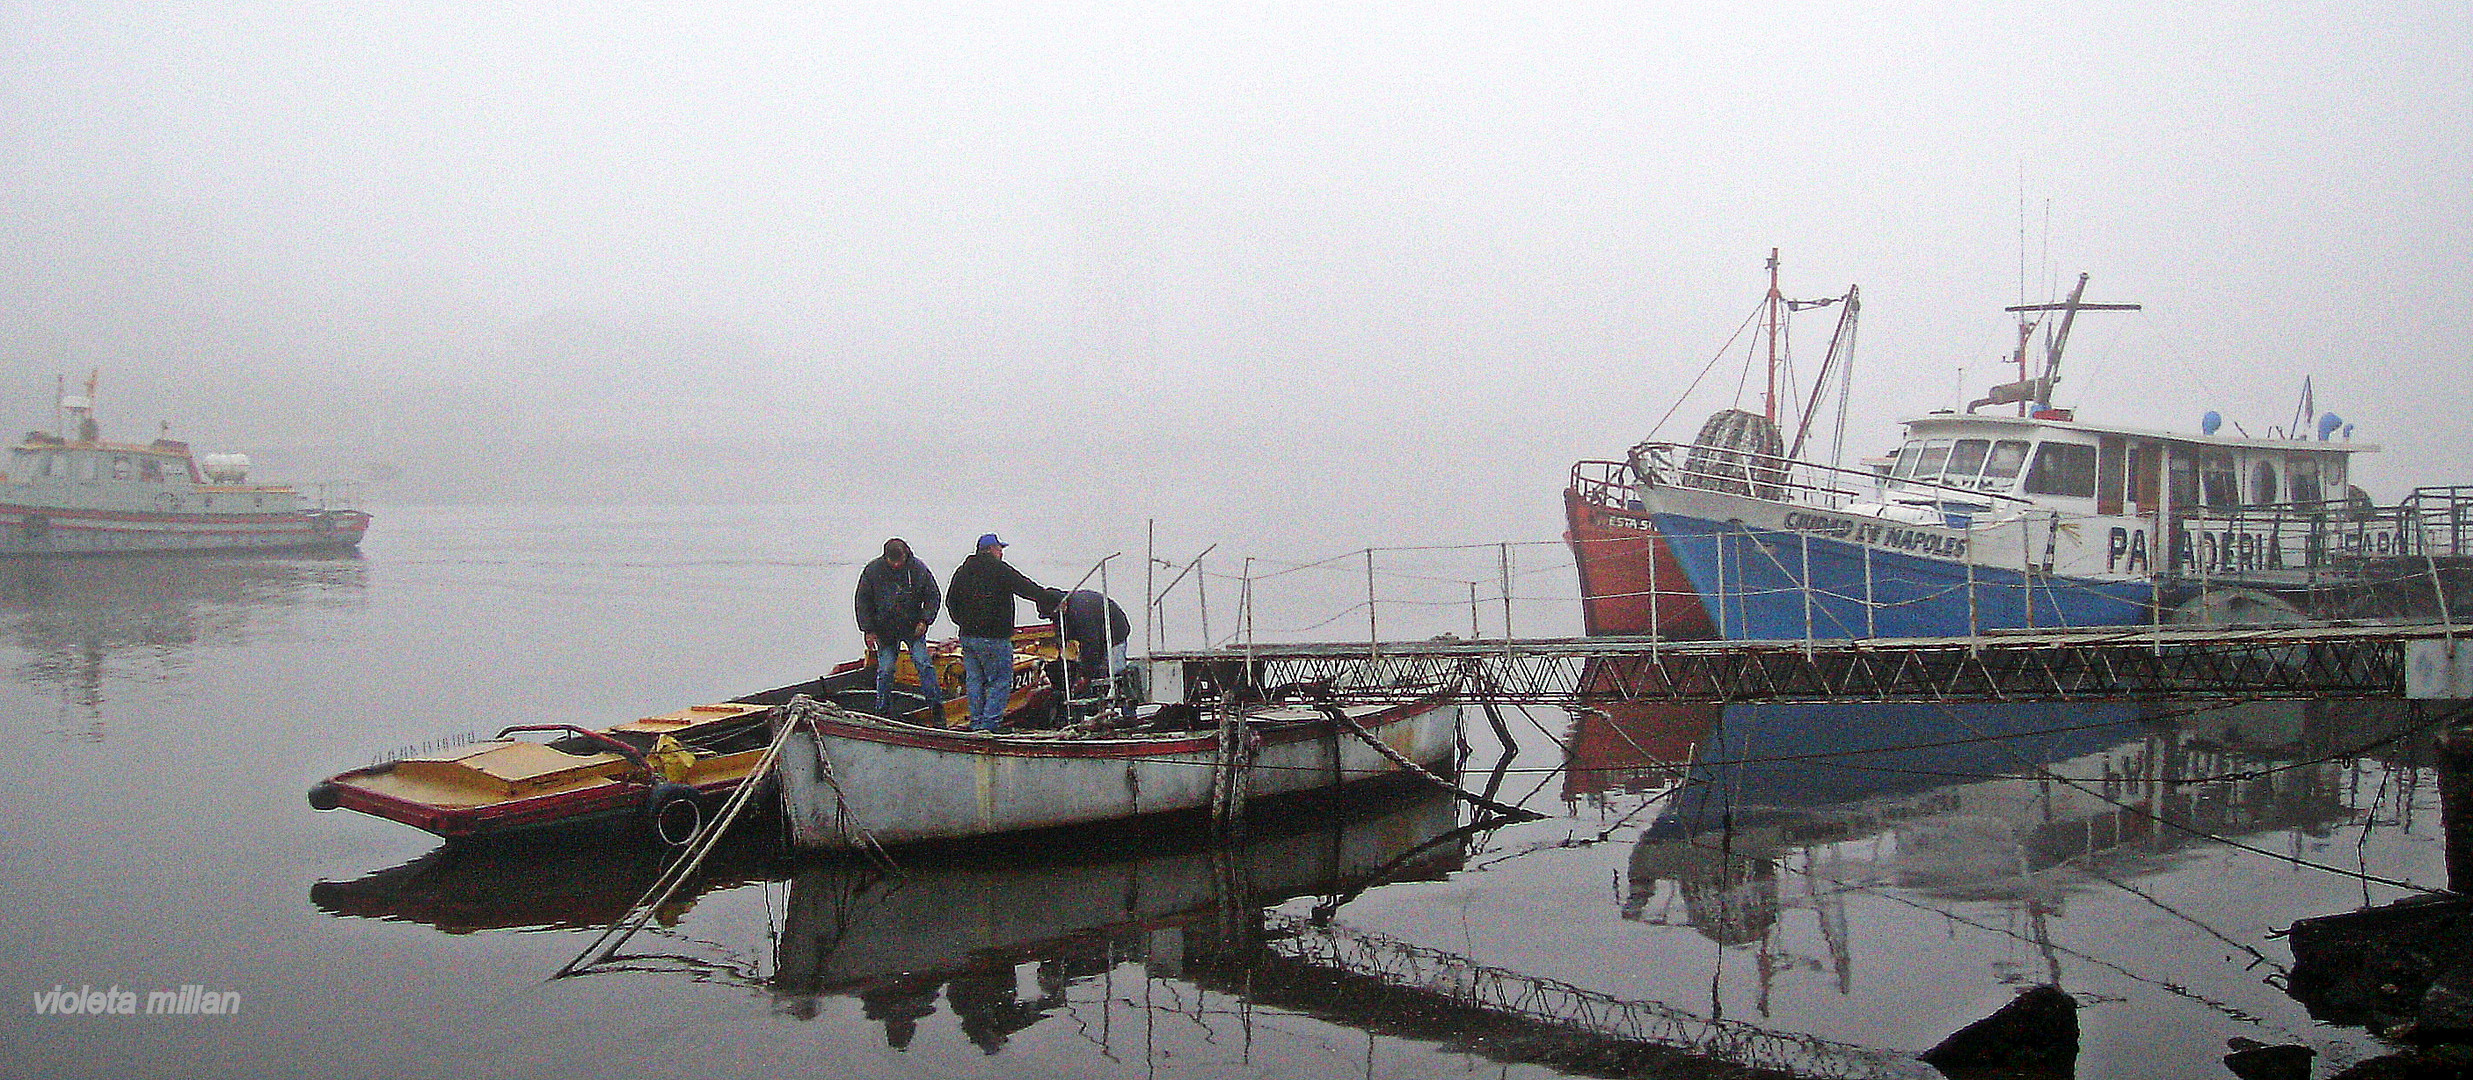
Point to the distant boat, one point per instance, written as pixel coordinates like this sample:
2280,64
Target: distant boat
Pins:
69,492
1981,522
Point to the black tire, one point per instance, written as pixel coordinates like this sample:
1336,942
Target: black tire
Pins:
672,813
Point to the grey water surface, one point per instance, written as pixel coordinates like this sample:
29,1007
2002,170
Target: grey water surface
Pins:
1832,916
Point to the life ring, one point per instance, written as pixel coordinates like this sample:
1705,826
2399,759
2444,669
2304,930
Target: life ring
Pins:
673,814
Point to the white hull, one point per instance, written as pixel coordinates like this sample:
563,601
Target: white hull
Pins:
35,529
906,784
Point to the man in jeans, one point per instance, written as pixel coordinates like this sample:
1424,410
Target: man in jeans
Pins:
897,601
982,604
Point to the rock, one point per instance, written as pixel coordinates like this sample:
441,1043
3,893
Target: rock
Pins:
2447,1007
2257,1061
2374,967
2037,1030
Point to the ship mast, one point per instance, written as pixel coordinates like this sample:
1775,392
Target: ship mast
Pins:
2069,309
1772,304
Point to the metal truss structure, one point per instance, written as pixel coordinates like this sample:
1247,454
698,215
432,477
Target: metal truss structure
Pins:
2144,663
1575,1013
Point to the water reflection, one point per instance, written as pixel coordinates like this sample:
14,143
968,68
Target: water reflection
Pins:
973,928
1787,807
580,878
79,624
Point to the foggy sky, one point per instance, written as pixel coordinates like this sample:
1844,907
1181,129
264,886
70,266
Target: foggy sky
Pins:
1287,252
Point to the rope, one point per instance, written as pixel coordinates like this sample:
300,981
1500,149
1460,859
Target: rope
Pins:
699,847
1340,717
802,710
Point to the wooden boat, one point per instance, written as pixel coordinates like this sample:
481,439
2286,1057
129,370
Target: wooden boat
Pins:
72,493
848,778
666,769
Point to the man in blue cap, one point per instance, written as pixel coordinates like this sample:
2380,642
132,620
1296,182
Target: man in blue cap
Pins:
981,600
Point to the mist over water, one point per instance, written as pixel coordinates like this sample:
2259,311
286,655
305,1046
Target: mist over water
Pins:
641,329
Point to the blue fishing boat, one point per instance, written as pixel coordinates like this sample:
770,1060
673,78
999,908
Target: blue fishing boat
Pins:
1985,521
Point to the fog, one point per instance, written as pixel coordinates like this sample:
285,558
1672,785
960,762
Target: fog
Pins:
1389,265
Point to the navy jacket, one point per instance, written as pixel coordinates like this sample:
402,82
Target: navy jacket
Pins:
982,596
892,602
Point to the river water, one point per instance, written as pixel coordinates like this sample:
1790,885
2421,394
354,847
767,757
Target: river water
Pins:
1823,908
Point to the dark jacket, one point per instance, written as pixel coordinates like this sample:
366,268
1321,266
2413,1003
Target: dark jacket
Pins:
982,597
893,601
1083,623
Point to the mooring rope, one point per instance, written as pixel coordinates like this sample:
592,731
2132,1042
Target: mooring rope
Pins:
684,867
1341,718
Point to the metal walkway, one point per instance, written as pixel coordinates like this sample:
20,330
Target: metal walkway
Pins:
2112,663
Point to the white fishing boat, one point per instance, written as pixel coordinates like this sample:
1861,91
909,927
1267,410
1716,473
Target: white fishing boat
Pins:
71,492
850,778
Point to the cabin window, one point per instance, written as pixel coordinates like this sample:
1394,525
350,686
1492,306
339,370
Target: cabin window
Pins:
2182,481
2216,478
120,468
2302,476
150,469
2262,483
2062,469
1903,465
2110,460
1967,459
2002,465
1935,455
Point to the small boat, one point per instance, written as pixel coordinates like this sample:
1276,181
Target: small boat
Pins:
665,770
1981,522
70,492
850,780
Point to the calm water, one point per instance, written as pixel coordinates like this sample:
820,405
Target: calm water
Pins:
164,719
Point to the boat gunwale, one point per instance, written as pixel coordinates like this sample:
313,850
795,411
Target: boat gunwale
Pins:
915,736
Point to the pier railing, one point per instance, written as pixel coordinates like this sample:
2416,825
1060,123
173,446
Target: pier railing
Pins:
2115,664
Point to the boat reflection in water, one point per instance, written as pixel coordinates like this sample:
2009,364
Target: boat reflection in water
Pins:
77,622
567,880
2107,791
963,926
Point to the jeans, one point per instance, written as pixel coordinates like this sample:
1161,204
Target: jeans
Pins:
987,677
888,654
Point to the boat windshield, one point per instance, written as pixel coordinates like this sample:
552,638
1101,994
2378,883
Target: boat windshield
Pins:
1966,459
2001,467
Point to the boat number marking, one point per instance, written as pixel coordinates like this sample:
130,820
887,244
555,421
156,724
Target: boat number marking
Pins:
1879,534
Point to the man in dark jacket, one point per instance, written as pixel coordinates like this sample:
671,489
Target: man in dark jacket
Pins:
982,605
1098,629
896,603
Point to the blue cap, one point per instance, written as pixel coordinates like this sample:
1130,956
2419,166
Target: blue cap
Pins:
989,540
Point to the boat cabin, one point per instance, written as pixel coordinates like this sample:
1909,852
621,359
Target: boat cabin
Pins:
2169,482
43,457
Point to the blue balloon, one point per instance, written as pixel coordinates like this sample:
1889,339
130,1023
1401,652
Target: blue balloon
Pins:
2208,423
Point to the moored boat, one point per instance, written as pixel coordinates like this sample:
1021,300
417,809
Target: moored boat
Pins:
849,780
665,769
1981,522
70,492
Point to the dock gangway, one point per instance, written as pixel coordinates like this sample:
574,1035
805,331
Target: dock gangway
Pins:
2370,661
